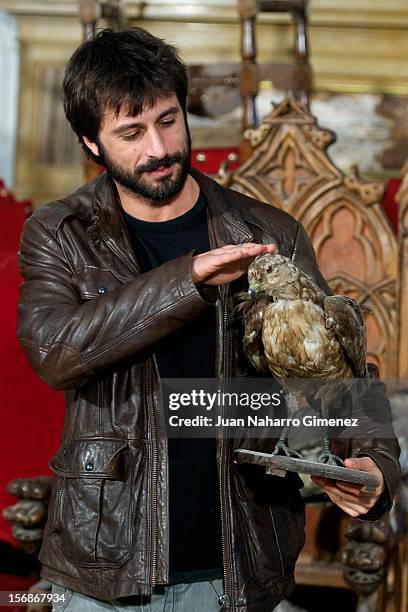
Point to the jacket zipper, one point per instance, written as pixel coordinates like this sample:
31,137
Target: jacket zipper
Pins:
153,496
226,598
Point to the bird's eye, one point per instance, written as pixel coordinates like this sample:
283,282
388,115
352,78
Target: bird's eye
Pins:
269,269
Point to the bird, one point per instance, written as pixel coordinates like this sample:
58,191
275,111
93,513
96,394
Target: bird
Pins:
293,330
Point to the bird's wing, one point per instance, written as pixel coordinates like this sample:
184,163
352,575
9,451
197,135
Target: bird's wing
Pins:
344,317
252,312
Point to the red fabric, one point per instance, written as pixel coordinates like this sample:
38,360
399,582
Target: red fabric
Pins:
389,204
209,160
31,413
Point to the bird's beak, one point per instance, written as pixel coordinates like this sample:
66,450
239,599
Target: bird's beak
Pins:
251,292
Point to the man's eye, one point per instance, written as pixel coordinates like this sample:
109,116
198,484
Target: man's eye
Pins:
132,136
168,123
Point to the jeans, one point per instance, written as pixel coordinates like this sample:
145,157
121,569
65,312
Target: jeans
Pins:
184,597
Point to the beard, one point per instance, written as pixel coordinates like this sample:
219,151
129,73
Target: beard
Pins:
165,187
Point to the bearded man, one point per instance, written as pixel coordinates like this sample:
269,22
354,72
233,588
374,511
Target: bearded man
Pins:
131,279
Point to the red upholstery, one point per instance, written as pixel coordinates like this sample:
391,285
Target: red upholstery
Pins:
209,160
30,412
389,204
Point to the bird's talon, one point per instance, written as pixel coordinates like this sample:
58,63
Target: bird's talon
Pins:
282,449
330,459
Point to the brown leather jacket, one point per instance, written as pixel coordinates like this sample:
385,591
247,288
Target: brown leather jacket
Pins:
86,320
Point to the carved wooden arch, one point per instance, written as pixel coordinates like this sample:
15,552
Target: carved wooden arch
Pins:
355,246
357,253
402,199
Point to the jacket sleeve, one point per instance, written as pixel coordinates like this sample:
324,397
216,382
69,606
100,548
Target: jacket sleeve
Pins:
379,441
67,341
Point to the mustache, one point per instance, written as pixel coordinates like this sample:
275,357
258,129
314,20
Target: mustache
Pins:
165,162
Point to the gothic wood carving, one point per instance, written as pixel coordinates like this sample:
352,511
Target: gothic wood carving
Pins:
402,199
354,243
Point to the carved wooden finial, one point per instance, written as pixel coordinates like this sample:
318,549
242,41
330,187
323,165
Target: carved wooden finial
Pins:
89,11
255,137
247,8
370,191
290,110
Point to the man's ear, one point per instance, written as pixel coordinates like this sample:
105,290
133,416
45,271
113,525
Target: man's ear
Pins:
91,145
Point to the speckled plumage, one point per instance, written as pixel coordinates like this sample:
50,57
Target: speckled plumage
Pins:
293,330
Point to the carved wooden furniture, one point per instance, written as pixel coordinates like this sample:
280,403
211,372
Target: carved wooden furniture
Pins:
402,199
249,76
359,255
213,88
355,245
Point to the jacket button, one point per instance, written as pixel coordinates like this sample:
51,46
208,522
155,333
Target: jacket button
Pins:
89,467
102,290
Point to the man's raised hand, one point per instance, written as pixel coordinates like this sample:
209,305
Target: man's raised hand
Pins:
227,263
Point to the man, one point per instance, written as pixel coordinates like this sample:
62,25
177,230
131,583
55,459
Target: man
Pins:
129,279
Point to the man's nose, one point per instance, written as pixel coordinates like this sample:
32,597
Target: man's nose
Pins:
155,146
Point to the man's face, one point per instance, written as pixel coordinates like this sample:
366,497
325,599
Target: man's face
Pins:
149,154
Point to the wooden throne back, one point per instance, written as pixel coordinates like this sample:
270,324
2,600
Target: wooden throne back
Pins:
355,245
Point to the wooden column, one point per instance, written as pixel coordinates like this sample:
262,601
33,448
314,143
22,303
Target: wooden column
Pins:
90,12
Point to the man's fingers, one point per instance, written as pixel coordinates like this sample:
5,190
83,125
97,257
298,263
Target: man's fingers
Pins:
227,263
353,499
351,509
349,487
245,247
230,254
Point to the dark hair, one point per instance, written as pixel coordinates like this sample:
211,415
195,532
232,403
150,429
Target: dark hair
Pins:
131,69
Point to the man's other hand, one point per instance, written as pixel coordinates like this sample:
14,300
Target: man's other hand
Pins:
227,263
350,497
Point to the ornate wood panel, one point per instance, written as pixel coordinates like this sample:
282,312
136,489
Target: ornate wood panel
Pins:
354,243
402,198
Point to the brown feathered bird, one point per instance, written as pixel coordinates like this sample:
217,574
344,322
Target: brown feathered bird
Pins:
293,330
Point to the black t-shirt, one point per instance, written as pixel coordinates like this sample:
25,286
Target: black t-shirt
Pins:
194,504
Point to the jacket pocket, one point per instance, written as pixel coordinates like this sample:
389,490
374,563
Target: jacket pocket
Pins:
272,521
94,499
93,282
